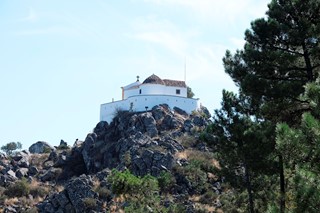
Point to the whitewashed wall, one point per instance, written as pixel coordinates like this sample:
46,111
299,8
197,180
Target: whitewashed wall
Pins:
155,89
140,102
131,92
172,91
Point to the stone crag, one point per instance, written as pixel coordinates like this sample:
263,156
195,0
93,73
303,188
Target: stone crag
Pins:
144,143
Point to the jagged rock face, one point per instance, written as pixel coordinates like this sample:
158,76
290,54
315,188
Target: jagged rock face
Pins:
143,142
2,156
14,167
22,158
40,147
7,177
72,198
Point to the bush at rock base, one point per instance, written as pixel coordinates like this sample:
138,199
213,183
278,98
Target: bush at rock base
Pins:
166,181
140,193
104,193
90,203
128,184
18,189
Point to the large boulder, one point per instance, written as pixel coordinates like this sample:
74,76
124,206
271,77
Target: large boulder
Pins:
40,147
2,156
22,158
22,172
73,198
51,174
149,124
7,178
151,162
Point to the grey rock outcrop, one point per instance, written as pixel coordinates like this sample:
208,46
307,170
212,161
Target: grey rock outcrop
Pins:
51,174
40,147
22,172
129,140
72,198
22,158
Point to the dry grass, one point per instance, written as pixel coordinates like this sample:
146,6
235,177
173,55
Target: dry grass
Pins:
115,208
37,160
187,141
182,155
39,190
208,208
195,198
95,182
191,154
158,148
59,188
11,201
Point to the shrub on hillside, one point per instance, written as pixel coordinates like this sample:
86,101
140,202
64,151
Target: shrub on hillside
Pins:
18,189
141,193
90,203
166,181
194,177
39,191
104,193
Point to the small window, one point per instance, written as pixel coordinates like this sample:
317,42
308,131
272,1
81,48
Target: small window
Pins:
177,91
140,91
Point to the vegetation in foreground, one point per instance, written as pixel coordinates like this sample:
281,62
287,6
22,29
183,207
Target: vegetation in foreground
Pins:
265,140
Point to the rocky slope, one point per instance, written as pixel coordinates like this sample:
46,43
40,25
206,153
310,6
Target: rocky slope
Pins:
159,142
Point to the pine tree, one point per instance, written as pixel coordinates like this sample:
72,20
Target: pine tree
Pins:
300,148
10,147
240,138
281,54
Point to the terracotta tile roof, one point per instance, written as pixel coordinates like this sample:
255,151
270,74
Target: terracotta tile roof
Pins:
174,83
153,79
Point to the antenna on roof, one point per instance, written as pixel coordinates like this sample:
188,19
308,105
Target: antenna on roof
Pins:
138,78
185,69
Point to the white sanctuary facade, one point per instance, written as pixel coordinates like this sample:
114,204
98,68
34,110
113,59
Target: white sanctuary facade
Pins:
139,97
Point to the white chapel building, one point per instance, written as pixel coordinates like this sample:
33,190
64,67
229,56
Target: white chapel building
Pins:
139,97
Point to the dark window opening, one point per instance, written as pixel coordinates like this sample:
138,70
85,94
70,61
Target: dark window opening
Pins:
140,91
177,91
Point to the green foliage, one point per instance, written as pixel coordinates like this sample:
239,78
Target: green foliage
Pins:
281,55
129,184
244,143
166,181
18,189
10,147
141,192
196,177
190,93
3,197
208,197
300,148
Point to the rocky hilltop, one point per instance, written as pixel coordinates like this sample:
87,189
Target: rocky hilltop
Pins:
151,161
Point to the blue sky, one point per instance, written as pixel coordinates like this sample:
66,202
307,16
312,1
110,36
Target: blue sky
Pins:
59,60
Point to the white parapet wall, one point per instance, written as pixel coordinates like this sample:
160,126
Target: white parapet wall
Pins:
142,103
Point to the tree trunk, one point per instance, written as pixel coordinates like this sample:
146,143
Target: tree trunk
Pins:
249,188
282,186
307,60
